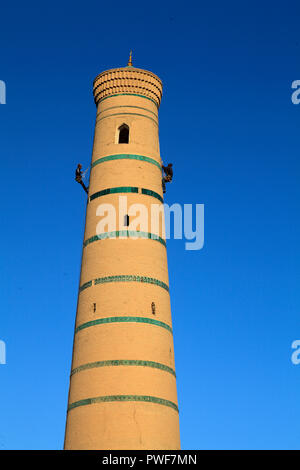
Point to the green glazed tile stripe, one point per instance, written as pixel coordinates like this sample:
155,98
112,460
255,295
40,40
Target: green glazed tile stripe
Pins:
125,278
131,278
102,321
85,286
123,156
126,114
127,94
148,192
125,189
111,398
120,189
124,233
127,106
124,362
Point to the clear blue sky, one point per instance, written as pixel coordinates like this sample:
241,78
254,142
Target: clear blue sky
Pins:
228,125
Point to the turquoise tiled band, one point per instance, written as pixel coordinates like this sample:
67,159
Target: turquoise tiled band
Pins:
85,286
124,362
125,278
102,321
127,94
126,189
131,278
125,156
124,233
124,398
120,189
149,192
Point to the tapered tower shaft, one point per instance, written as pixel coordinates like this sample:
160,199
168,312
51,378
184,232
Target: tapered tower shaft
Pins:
123,385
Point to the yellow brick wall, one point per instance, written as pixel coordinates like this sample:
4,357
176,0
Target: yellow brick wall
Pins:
119,405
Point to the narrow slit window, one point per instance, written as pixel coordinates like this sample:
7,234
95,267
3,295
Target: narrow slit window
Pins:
126,220
124,134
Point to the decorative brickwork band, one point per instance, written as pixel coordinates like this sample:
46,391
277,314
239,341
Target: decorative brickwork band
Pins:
127,114
123,156
124,362
102,321
127,106
124,234
128,80
123,398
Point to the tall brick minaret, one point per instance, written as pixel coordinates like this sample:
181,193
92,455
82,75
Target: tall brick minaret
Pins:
123,385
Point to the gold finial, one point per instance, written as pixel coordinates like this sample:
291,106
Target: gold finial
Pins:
130,60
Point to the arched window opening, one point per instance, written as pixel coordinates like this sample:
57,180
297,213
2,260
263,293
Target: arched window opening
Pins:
124,134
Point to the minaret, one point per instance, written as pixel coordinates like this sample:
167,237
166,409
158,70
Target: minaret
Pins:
123,385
